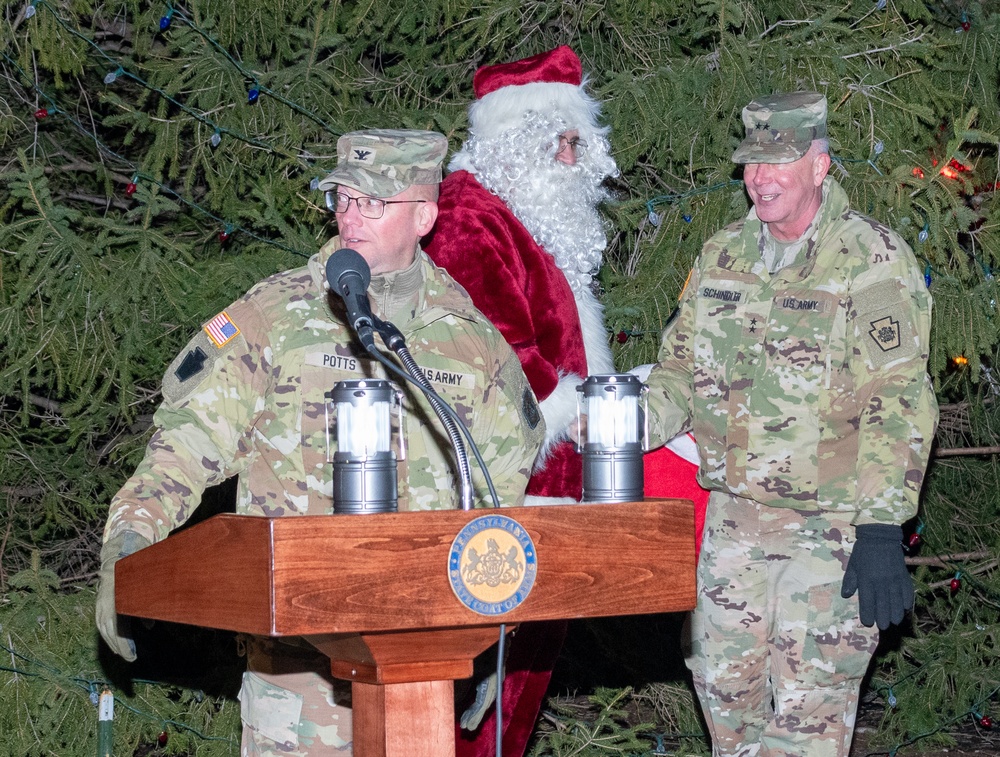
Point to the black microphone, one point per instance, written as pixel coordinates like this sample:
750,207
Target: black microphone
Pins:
348,275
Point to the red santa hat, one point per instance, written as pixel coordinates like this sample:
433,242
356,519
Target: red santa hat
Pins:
551,83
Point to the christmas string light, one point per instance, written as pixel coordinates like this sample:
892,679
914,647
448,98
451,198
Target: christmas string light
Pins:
139,176
655,219
956,583
121,71
973,711
37,670
625,334
257,87
879,147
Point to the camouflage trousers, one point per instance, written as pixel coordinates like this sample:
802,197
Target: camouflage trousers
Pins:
290,704
776,654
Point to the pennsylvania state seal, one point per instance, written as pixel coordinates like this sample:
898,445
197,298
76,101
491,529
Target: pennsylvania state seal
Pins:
492,564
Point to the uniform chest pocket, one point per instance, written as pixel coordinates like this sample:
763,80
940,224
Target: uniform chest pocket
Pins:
802,338
720,314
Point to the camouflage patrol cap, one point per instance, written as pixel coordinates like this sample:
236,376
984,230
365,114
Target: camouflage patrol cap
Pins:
781,127
384,162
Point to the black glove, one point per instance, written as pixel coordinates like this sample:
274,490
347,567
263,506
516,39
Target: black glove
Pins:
878,573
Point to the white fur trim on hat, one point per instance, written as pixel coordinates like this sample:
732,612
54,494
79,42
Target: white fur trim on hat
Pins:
504,108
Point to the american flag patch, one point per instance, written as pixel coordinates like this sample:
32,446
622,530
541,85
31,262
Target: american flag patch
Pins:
221,329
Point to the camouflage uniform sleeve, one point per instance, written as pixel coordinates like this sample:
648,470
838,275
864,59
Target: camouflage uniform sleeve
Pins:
898,413
671,379
511,434
211,395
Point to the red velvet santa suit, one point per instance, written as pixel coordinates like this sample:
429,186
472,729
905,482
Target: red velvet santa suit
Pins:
519,287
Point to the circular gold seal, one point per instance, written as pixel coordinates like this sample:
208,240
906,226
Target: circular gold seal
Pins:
492,564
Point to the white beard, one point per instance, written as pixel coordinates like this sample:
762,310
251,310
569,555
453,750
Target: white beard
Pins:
556,203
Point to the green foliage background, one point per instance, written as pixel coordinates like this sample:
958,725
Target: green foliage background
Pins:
99,288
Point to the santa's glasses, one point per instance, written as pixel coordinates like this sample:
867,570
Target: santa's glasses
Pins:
577,145
368,207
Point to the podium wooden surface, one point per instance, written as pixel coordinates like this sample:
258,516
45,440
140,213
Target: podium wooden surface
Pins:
373,593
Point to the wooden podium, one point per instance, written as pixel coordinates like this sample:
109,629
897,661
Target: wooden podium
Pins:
375,594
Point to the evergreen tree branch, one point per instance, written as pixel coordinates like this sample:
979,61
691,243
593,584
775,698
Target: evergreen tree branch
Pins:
955,451
942,560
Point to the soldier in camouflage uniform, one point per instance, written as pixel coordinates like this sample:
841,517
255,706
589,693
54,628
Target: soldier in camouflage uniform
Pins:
798,358
246,397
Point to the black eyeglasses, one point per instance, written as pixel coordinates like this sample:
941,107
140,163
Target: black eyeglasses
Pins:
577,146
368,207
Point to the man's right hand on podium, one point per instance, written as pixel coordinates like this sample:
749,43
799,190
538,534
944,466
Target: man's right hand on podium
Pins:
115,629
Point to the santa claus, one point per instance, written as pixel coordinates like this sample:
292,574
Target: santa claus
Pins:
519,227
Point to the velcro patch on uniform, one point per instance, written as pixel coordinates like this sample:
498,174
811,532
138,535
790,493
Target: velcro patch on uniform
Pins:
884,322
529,408
190,368
221,329
724,291
801,304
721,293
191,364
349,363
450,378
